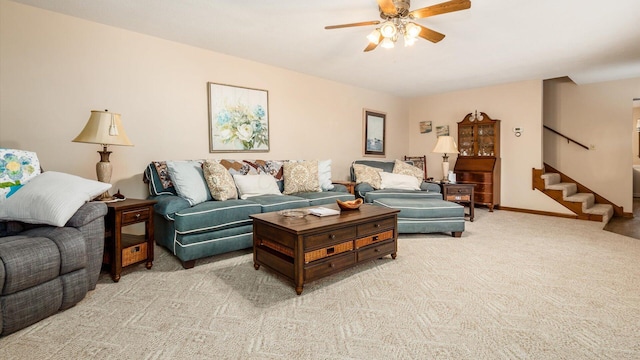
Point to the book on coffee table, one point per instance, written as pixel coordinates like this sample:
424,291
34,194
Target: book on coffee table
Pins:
323,211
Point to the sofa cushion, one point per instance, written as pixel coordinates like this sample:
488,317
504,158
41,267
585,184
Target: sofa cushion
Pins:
401,167
399,181
28,261
400,194
367,174
188,179
301,177
57,195
424,208
271,203
256,185
219,181
215,215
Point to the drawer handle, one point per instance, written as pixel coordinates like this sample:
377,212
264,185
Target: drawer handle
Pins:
375,238
330,250
332,265
377,225
376,250
332,236
137,215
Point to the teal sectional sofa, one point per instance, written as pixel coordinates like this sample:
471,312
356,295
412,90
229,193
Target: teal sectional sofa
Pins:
422,209
194,230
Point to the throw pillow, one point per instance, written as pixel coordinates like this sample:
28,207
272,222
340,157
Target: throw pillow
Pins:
188,179
367,174
17,167
324,175
219,181
255,185
399,181
301,177
401,167
50,198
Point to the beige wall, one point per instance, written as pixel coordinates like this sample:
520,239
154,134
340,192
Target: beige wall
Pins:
516,105
55,69
597,115
635,138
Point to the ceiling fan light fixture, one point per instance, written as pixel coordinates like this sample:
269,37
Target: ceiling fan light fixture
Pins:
374,37
409,40
388,29
387,43
412,30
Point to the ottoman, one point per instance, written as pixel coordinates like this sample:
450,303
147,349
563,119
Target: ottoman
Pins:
426,215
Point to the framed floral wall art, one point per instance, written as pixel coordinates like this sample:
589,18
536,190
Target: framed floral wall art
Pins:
238,119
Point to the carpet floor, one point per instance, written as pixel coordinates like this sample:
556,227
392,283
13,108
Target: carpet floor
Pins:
514,286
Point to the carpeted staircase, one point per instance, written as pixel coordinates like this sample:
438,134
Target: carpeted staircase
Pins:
570,194
586,204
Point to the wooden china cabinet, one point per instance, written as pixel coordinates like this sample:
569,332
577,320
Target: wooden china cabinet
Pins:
479,158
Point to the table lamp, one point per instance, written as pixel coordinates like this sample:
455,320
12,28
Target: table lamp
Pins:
445,145
106,129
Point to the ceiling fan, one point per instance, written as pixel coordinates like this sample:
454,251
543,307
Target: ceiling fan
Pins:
397,21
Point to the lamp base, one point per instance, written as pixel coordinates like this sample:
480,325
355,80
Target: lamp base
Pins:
103,172
445,172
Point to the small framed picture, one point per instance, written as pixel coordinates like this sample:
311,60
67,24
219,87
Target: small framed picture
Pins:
442,130
425,127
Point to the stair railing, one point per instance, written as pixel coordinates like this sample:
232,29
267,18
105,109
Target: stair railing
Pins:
566,137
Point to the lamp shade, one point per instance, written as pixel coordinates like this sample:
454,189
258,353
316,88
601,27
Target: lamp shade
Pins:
103,128
446,145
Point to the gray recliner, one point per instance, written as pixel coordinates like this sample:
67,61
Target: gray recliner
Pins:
45,269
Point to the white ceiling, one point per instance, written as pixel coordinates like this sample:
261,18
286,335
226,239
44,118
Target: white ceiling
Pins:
493,42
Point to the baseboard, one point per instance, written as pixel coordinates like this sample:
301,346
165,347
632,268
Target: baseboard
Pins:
549,213
538,212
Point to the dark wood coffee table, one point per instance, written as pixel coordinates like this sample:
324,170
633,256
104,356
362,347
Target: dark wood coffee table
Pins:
309,248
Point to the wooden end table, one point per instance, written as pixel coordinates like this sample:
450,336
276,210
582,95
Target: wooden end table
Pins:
349,184
461,194
122,250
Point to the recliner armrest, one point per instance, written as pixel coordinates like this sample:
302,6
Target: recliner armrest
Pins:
87,213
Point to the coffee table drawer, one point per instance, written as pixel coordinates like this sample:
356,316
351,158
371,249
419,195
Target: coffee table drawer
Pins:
375,227
329,237
329,266
376,251
328,251
374,239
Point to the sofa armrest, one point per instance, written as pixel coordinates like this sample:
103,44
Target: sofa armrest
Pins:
339,188
169,204
429,186
87,213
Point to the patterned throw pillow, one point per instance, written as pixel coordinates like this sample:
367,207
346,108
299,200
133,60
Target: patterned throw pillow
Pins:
367,174
401,167
219,181
17,167
301,177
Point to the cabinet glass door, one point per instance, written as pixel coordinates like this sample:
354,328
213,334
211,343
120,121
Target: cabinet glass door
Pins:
485,140
465,140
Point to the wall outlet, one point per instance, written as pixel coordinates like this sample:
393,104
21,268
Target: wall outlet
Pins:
592,147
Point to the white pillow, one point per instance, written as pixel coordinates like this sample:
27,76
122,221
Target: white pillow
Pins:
324,175
50,198
188,179
399,181
254,185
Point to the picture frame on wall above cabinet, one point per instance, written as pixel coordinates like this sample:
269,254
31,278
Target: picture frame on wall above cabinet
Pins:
238,119
374,132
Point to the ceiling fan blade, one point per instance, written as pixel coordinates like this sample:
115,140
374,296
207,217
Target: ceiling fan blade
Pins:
373,45
364,23
387,7
429,34
442,8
